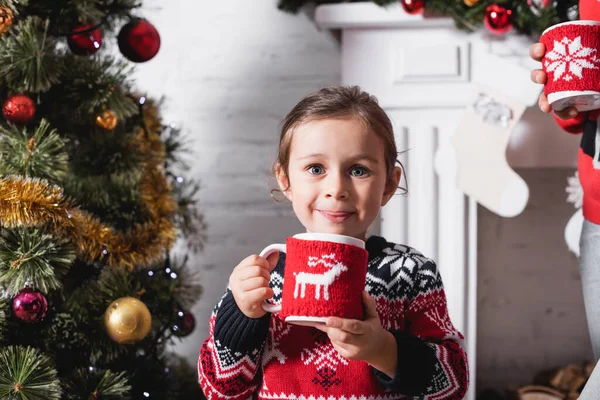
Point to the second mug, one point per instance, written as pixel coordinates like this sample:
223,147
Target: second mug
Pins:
572,65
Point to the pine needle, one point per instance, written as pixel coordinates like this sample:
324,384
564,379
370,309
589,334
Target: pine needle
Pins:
26,374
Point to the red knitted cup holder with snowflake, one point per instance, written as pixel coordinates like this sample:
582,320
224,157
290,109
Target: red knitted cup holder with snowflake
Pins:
572,63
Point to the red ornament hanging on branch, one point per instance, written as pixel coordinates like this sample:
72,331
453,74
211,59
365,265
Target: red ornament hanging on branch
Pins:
413,6
18,109
85,40
30,305
498,19
139,40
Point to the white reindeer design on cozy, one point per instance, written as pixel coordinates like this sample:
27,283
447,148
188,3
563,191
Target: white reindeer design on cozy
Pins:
323,280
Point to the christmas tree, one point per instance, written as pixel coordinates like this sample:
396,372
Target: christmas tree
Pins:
528,17
92,199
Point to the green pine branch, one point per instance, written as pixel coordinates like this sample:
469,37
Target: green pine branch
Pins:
65,14
92,84
184,379
28,61
177,147
114,198
106,153
4,312
41,155
115,283
102,384
471,18
14,4
26,374
32,256
88,86
64,335
188,218
185,288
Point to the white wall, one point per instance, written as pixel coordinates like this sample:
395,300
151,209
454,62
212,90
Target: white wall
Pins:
230,71
529,303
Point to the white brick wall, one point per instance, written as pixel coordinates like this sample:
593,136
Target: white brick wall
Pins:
229,71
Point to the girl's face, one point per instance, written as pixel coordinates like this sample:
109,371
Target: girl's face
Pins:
337,176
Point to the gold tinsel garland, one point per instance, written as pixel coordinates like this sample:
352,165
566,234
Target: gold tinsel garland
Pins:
29,202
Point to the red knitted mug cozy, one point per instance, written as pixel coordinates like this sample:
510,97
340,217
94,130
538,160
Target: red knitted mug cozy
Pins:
323,279
572,59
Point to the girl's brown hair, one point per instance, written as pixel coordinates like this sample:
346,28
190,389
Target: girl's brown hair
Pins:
339,102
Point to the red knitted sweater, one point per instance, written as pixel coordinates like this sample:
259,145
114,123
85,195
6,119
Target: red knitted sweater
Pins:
587,123
266,358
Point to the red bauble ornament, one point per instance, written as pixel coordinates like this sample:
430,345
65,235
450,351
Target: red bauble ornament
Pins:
18,109
139,40
30,305
413,6
184,324
498,19
87,42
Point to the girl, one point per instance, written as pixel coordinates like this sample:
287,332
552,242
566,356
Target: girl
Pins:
337,166
589,175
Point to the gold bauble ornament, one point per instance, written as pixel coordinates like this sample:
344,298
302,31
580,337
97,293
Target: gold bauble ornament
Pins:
107,120
471,3
6,19
127,320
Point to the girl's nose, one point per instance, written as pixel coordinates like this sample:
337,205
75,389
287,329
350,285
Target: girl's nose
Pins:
336,188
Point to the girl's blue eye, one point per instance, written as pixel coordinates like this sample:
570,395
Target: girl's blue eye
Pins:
358,172
315,170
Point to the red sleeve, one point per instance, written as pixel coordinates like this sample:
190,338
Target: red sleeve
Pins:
573,125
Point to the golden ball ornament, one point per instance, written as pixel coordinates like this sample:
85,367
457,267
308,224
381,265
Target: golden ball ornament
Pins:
6,19
471,3
127,320
107,120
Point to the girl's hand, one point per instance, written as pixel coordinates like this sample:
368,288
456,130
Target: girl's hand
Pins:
249,283
537,52
363,340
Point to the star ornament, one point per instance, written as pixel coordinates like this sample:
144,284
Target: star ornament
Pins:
568,59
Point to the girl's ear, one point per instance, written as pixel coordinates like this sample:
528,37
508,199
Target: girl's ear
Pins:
283,181
391,185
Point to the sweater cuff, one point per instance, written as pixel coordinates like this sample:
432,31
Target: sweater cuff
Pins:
236,331
572,125
416,366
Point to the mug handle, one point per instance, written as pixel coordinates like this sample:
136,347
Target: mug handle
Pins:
267,251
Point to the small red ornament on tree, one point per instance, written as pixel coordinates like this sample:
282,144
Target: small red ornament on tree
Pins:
85,40
498,19
18,109
184,324
139,40
30,305
413,6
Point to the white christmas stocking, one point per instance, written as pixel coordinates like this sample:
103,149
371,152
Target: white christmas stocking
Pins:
477,156
480,145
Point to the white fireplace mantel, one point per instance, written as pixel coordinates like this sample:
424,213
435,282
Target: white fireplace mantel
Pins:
423,72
